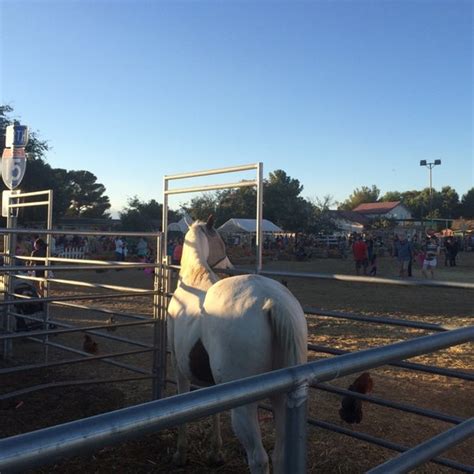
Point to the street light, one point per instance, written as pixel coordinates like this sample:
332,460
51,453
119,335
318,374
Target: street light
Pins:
430,166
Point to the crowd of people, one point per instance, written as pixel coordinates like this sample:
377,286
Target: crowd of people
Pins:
407,251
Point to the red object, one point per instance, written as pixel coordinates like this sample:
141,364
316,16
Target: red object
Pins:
177,252
359,249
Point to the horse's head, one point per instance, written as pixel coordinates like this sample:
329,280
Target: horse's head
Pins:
203,242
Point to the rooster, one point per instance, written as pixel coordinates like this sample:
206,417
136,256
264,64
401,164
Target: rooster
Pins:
89,345
351,407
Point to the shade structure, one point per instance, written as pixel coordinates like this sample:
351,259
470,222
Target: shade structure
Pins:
182,225
248,226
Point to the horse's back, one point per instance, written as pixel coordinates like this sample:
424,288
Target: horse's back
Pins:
238,327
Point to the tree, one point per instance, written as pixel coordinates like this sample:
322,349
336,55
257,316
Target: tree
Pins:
87,197
321,221
391,196
201,207
450,205
283,204
74,193
360,196
467,204
143,215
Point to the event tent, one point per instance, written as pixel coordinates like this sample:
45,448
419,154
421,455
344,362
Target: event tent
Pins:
247,226
182,225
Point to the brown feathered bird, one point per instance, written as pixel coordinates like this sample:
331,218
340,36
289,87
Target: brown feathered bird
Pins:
89,345
351,407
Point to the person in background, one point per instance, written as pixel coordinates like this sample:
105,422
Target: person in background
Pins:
142,249
432,251
39,250
404,254
177,252
373,258
119,247
359,250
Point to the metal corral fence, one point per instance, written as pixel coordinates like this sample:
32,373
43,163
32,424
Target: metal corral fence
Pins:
44,446
46,326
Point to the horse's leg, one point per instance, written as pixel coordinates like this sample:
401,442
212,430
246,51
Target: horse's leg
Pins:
246,428
179,457
215,456
279,411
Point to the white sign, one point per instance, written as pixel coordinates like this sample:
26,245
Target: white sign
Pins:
13,166
6,196
16,135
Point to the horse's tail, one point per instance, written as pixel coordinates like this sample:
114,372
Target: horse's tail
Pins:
290,333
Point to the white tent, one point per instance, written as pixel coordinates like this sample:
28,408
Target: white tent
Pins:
248,226
182,225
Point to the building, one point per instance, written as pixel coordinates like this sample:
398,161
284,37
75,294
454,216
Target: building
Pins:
348,221
386,210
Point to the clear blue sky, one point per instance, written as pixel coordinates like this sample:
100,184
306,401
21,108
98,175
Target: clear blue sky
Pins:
339,94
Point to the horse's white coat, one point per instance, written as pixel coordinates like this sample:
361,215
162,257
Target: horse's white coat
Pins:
248,325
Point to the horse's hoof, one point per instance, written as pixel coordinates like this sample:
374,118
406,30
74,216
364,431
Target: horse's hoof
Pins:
216,459
179,459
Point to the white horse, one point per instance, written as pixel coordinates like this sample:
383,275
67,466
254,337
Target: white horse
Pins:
222,330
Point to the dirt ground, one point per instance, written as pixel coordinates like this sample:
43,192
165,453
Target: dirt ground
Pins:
327,452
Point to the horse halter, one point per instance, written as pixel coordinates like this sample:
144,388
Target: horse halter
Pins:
212,235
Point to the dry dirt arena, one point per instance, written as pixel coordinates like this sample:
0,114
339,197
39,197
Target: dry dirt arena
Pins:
328,452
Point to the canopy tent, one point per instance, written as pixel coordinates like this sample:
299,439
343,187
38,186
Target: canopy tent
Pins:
182,225
248,226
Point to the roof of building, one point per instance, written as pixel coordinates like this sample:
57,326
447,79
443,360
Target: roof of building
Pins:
376,207
466,225
350,216
248,225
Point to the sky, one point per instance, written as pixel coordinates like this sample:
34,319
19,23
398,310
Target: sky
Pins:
339,94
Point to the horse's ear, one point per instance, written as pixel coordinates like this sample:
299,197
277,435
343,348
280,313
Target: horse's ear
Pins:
210,222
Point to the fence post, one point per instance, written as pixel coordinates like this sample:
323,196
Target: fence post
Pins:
296,427
159,327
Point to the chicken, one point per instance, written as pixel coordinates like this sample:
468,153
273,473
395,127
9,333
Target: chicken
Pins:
89,345
351,407
111,321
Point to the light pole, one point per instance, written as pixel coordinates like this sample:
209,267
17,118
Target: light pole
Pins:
430,166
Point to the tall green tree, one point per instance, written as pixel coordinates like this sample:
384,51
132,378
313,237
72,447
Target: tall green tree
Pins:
359,196
467,205
283,203
87,197
391,196
202,206
75,193
145,216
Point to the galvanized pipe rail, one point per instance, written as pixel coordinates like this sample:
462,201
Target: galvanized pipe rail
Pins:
89,358
386,444
22,299
312,311
350,278
97,233
25,451
98,309
72,383
389,404
424,452
325,425
404,365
